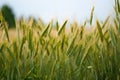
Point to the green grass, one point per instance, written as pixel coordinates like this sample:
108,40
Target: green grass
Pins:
53,53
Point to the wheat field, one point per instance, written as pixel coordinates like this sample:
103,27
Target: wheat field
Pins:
38,51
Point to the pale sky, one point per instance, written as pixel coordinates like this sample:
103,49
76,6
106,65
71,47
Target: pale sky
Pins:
61,9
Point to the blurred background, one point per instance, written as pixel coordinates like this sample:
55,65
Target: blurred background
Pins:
60,10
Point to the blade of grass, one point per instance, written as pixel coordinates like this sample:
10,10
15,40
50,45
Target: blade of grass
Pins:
105,22
61,29
57,26
100,30
91,15
6,32
112,36
45,31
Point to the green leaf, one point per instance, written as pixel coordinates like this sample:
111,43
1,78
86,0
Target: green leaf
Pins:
100,30
62,28
91,15
105,22
112,36
45,31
